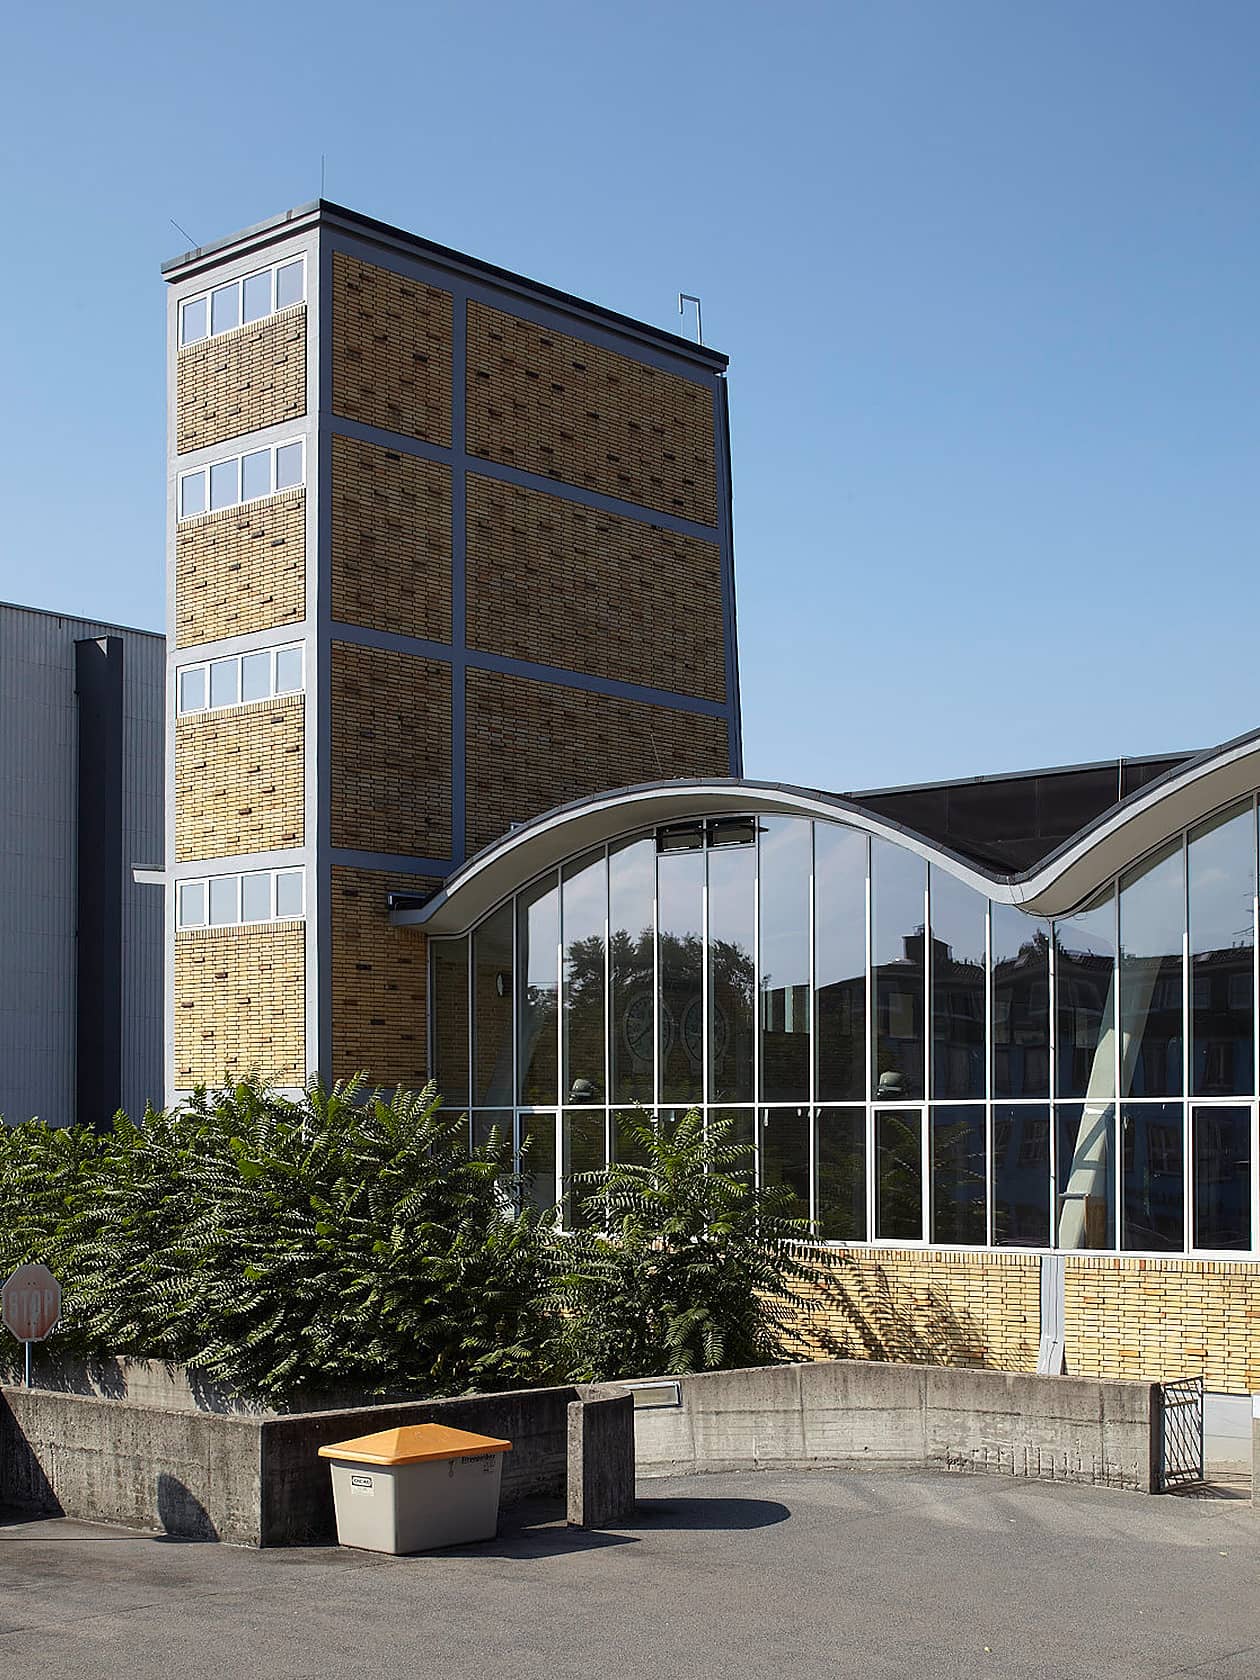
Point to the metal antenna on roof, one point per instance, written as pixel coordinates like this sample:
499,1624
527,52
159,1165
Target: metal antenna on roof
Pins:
188,236
690,297
323,170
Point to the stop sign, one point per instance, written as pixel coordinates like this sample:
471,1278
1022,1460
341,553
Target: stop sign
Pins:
30,1303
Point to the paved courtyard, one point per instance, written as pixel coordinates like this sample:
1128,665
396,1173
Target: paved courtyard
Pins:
914,1575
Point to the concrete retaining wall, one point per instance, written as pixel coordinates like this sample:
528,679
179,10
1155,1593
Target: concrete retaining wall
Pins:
258,1480
847,1412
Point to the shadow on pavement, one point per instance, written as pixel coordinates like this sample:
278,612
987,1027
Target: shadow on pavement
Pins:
708,1513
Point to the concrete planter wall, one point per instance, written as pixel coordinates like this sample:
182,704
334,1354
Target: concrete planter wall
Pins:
257,1480
850,1412
157,1458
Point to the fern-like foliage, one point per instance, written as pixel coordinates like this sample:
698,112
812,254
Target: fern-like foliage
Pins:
684,1264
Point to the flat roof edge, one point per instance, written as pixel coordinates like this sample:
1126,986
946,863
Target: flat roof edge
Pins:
354,221
81,618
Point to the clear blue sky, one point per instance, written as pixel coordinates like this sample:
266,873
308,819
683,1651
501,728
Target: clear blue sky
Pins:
987,274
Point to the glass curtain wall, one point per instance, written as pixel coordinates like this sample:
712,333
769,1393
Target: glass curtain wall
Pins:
909,1061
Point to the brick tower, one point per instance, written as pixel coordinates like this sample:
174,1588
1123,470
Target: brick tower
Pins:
445,548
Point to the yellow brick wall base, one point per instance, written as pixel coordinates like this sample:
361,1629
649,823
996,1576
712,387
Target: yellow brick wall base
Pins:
1163,1319
920,1306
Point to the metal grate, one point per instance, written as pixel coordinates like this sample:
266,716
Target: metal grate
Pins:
1181,1434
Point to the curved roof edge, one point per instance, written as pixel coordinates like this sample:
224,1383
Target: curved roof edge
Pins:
1059,883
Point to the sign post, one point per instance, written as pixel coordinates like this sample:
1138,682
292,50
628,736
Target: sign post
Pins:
30,1307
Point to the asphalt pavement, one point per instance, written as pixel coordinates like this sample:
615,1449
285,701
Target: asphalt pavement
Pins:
912,1575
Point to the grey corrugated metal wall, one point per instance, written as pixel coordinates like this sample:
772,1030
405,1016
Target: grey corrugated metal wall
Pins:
38,851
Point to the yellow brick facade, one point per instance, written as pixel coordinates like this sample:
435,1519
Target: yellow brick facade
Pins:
391,357
568,409
240,1002
391,541
1163,1319
239,782
391,751
928,1307
379,981
241,570
532,745
561,584
241,381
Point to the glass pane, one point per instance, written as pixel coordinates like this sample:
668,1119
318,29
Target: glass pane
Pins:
1086,1154
491,1125
785,1155
1084,955
1222,1178
783,888
256,897
1021,1175
256,474
899,1173
1152,1213
194,319
957,988
1152,930
959,1186
740,1135
223,900
256,676
1021,1003
681,1026
192,904
840,962
225,308
1222,856
632,872
192,494
538,968
538,1161
583,1140
224,482
290,892
257,291
288,670
192,689
225,682
732,910
897,883
449,1051
288,284
840,1145
492,1009
584,909
288,466
625,1144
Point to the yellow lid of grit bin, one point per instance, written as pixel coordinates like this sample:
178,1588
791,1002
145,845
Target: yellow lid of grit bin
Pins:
417,1443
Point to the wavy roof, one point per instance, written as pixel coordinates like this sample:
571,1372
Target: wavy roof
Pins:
1060,882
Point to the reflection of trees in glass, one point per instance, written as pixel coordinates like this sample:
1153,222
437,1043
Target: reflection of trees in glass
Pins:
841,1176
731,1036
584,1036
899,1185
958,1175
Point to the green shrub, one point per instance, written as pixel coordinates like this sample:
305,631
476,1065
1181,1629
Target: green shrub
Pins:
684,1265
278,1245
351,1240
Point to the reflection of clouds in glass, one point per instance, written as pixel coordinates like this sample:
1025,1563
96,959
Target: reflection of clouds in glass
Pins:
1152,909
1222,871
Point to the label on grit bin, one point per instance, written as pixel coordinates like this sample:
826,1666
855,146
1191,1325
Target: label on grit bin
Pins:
362,1484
